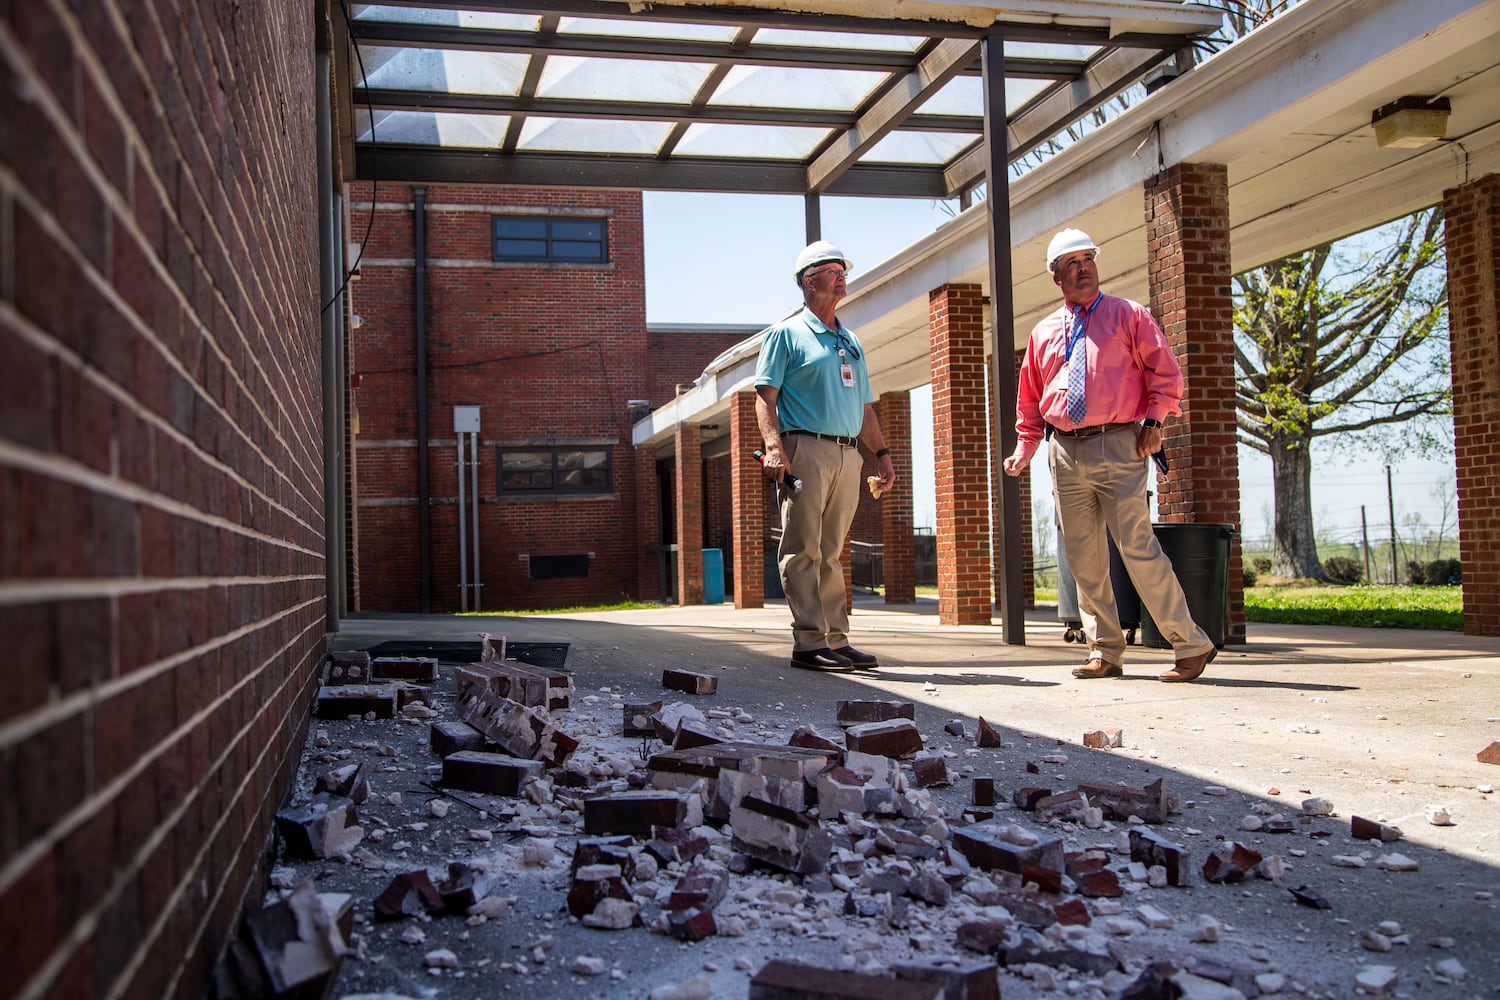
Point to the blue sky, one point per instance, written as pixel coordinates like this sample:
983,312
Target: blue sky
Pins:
728,258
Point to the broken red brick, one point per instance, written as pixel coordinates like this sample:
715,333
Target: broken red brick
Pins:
983,936
1002,846
854,713
517,730
961,979
808,738
988,735
1064,806
1026,945
1044,879
1230,862
450,736
1368,829
489,773
1026,798
689,682
322,828
783,980
930,769
464,887
1151,850
342,701
422,669
669,845
637,721
984,791
409,694
895,738
692,733
348,666
351,781
605,851
692,924
408,895
1490,754
1092,875
299,940
592,884
702,887
1150,804
1100,739
783,838
523,683
640,811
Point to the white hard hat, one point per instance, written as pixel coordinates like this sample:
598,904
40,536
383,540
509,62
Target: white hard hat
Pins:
1066,242
817,253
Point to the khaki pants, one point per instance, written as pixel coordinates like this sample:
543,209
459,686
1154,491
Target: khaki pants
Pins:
814,524
1100,482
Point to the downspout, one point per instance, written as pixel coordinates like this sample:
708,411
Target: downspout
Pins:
330,294
419,306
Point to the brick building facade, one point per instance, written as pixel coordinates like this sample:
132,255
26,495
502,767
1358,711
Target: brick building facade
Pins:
552,352
161,480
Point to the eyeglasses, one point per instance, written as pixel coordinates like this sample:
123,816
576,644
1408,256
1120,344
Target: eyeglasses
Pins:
1076,262
831,269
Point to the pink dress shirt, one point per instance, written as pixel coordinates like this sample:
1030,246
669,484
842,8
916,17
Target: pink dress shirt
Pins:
1132,372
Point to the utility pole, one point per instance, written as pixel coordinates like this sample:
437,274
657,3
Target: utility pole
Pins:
1364,534
1390,502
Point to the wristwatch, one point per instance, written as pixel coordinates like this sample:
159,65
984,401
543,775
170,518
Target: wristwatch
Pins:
1148,422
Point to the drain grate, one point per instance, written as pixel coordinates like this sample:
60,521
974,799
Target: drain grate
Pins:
552,655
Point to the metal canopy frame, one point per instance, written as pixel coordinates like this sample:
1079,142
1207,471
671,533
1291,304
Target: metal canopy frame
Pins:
854,93
1066,59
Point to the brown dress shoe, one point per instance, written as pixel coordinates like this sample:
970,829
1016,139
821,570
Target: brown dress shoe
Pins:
1189,667
1098,667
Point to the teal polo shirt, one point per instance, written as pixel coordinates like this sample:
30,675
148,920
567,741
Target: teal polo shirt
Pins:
800,358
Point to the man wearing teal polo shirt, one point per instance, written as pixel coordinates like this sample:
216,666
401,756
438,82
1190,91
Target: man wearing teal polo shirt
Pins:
814,408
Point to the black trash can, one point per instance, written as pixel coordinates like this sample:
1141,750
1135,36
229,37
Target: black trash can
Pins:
1127,601
1200,560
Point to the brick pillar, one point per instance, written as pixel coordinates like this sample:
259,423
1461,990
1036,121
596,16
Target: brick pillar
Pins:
896,525
1187,251
647,525
960,447
1472,219
747,503
689,514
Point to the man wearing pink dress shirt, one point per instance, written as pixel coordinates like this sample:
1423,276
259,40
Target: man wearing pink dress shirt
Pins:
1097,382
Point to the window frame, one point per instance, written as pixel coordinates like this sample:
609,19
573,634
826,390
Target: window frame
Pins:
555,486
550,238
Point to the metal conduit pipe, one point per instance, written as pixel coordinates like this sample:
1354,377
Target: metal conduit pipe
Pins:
419,309
331,323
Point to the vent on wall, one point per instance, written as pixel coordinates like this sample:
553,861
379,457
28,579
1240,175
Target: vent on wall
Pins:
552,567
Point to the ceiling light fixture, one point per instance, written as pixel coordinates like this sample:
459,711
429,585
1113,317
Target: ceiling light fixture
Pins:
1411,122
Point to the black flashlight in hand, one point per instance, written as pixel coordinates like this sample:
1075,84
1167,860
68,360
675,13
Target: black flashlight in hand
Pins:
791,480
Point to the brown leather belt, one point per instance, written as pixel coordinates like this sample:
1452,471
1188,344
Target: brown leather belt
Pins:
847,442
1092,430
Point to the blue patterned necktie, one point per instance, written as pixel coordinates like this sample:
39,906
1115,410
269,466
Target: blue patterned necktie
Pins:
1078,406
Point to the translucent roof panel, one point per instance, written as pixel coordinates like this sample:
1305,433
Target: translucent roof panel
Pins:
454,18
778,86
784,143
444,71
837,40
622,80
907,146
1047,50
570,135
645,29
962,95
427,128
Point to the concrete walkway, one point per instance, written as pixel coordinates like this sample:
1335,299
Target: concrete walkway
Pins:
1383,723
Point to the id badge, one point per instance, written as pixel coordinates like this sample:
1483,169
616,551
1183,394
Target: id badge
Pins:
846,370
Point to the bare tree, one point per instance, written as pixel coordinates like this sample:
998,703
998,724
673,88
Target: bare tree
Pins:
1332,344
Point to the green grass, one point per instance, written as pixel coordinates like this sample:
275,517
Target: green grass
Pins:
1370,606
574,610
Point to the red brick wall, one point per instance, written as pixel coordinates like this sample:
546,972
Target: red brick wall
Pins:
747,502
961,453
161,541
895,508
680,354
550,354
1472,220
1187,232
